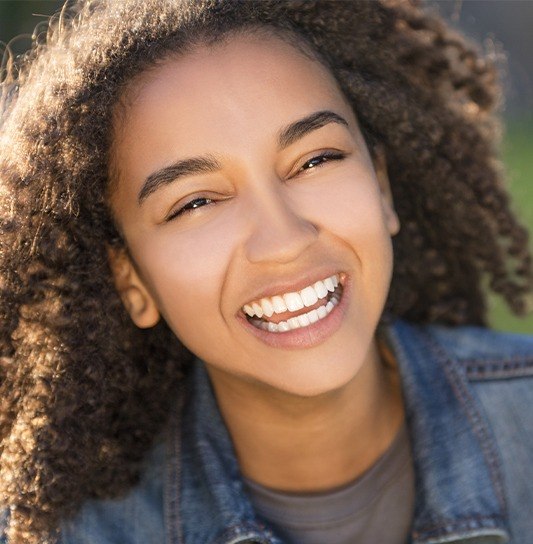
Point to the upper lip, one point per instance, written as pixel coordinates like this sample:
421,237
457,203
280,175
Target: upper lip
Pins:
280,287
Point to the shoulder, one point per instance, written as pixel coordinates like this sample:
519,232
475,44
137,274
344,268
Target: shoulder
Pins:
490,373
134,518
498,368
483,353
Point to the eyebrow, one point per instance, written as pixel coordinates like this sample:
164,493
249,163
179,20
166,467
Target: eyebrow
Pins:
208,164
300,128
181,168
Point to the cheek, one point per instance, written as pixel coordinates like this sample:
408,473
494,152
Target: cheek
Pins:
186,271
350,208
350,213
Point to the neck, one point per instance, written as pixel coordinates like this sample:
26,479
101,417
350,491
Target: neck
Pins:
316,443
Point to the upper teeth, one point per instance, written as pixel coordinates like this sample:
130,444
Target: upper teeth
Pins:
293,301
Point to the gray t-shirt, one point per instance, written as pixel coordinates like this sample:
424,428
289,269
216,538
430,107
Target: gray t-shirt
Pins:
377,507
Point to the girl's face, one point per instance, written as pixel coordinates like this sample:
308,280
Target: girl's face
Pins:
243,177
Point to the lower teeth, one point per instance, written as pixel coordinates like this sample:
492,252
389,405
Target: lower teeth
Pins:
302,320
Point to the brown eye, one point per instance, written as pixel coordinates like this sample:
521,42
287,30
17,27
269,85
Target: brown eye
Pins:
192,205
196,203
319,160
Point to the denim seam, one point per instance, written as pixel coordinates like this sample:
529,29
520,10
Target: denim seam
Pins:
515,367
460,388
173,529
239,533
460,524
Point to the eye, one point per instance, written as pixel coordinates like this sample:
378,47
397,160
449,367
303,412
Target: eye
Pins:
322,158
190,207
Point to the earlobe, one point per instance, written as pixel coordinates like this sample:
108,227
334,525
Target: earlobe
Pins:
136,299
380,166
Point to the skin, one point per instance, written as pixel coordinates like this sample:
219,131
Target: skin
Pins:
272,218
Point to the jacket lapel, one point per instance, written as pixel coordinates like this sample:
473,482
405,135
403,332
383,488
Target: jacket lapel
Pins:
459,486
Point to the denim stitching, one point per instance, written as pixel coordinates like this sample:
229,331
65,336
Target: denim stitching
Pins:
243,533
464,396
173,529
514,367
442,528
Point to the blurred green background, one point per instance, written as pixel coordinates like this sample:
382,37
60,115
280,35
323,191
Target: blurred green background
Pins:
503,27
518,157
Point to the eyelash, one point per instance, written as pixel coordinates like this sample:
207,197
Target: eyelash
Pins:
190,207
322,158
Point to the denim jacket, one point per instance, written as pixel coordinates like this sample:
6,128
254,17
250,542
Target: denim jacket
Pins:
468,395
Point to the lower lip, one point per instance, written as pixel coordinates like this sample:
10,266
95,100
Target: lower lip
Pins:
305,337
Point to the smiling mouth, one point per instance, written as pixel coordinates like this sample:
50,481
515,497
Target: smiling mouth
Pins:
295,310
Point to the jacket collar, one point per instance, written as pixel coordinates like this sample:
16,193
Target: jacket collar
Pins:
459,486
212,502
459,489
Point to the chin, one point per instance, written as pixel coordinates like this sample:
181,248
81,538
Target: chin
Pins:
315,380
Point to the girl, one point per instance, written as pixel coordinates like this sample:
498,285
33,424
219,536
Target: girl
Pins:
244,247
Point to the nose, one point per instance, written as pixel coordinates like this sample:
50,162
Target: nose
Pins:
279,234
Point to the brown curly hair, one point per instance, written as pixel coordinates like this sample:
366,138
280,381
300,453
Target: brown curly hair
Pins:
83,392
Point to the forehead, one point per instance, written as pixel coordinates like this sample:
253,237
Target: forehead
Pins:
216,98
239,64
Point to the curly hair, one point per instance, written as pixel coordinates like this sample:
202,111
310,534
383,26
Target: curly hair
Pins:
83,392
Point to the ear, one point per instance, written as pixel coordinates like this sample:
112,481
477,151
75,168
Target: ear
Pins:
135,297
380,166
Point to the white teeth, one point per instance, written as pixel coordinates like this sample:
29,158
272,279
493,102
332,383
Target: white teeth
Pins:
303,320
293,323
258,311
309,296
279,304
321,289
267,307
299,321
313,316
329,284
293,301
